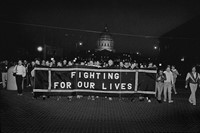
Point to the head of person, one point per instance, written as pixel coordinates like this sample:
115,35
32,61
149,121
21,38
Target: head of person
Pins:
47,63
19,62
173,67
25,62
37,62
43,63
90,63
59,64
51,64
193,69
98,63
150,65
168,68
82,63
64,62
126,64
110,62
160,72
33,63
70,63
121,64
133,65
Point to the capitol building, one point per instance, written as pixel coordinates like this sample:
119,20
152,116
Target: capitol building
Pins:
105,41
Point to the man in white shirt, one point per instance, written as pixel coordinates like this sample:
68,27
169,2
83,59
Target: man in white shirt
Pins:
168,84
20,72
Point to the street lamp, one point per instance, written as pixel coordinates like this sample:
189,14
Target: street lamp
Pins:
80,43
183,59
39,48
155,47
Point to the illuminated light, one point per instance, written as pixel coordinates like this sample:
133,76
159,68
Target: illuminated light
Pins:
155,47
39,49
80,43
52,58
182,59
137,53
160,64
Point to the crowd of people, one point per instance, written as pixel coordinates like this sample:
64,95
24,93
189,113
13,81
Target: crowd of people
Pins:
165,78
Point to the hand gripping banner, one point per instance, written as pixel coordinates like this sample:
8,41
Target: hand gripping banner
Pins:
93,81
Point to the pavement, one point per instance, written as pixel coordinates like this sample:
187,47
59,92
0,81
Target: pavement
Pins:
23,114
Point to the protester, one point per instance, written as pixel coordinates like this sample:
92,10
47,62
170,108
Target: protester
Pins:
111,66
47,63
193,79
59,64
64,63
126,65
175,74
160,78
26,78
43,63
30,69
20,72
4,74
168,85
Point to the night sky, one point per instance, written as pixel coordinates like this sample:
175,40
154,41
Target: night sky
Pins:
136,24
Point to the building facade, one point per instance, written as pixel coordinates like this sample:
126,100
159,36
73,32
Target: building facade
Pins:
105,41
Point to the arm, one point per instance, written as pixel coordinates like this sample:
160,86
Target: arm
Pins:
177,72
24,72
164,77
33,72
15,69
172,78
157,77
187,80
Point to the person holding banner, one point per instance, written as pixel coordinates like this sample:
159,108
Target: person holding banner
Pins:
110,66
193,79
168,82
19,72
160,77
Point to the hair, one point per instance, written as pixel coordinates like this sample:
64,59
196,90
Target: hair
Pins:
194,67
168,66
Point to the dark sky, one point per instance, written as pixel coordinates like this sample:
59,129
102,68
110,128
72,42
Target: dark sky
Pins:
134,17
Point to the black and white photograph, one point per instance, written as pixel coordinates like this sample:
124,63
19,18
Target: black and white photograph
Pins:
100,66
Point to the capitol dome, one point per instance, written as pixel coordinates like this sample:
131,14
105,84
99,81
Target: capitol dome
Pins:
105,42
